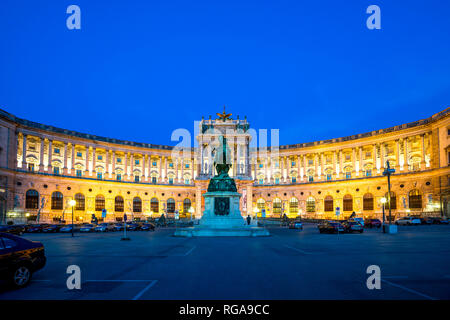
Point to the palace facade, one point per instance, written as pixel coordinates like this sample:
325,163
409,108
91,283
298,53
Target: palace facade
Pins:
43,167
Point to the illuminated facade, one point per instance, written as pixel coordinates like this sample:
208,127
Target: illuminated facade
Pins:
43,167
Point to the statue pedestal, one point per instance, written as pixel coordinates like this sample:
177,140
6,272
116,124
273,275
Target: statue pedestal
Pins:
222,218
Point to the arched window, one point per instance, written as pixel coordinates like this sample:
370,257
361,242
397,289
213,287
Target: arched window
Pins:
293,206
348,202
310,205
277,206
328,204
261,204
79,202
393,200
137,204
415,199
368,201
57,200
186,205
154,205
32,199
99,203
170,205
118,204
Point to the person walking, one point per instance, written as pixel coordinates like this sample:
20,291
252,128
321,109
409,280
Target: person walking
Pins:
249,219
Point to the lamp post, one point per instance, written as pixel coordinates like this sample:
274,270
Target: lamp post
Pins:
72,203
387,172
383,202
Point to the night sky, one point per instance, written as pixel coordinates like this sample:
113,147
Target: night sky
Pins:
137,70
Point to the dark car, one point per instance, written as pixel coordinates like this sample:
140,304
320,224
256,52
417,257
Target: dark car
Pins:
440,220
52,228
330,227
13,229
132,226
118,227
147,227
372,223
19,258
352,226
34,228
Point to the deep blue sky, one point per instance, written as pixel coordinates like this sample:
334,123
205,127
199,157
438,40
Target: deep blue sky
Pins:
137,70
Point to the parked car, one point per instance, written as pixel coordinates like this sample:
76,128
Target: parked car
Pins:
440,220
87,228
35,228
104,227
132,226
295,225
352,226
147,227
19,259
68,228
372,223
118,227
330,227
408,221
52,228
13,229
359,220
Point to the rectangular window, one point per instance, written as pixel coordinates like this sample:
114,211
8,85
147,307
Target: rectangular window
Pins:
153,179
261,165
347,157
170,180
329,177
79,173
99,157
136,162
55,170
294,179
310,178
136,178
277,180
79,155
310,162
368,173
119,177
261,181
186,181
368,154
277,164
99,175
31,167
170,164
187,166
293,164
348,175
56,150
154,163
119,160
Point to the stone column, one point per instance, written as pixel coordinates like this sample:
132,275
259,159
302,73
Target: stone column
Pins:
107,171
360,168
125,167
41,155
182,170
94,161
192,169
131,175
24,151
422,149
336,165
112,174
341,162
374,156
304,167
72,159
406,153
65,160
87,170
50,152
354,161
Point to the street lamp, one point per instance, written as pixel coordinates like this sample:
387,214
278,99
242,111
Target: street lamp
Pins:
72,203
383,202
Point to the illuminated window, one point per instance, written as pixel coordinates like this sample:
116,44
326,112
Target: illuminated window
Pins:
118,204
328,204
310,205
415,199
393,200
79,202
293,206
170,205
348,203
154,205
368,201
31,199
277,206
186,205
137,205
57,200
99,203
